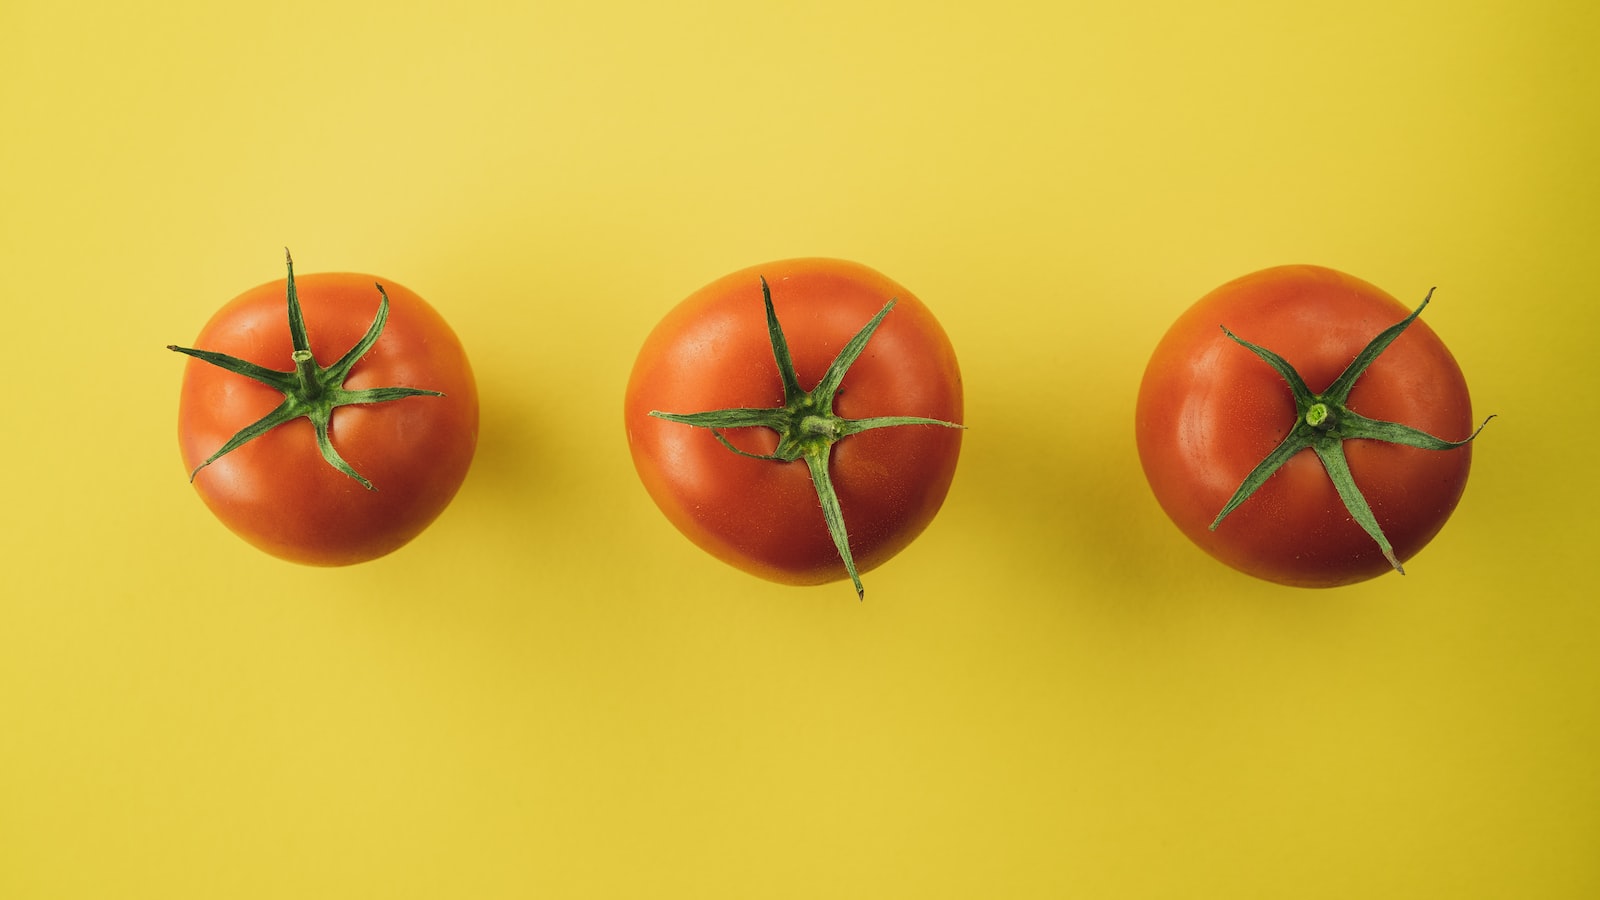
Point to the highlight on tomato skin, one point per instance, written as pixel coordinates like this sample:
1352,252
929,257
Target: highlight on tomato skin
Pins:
327,419
1305,427
715,478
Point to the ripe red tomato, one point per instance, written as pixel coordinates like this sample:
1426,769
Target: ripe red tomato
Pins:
716,351
395,458
1211,410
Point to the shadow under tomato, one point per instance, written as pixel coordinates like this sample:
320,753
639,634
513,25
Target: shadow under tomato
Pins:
1072,519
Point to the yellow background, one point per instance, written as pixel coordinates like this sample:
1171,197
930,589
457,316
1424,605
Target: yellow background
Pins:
552,694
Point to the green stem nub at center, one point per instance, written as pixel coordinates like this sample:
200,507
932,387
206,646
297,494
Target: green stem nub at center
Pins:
819,426
305,369
806,425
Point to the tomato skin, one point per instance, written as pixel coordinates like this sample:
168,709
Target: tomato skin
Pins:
277,492
712,351
1209,410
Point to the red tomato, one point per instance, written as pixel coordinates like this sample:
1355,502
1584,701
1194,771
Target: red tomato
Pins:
1210,410
714,352
278,491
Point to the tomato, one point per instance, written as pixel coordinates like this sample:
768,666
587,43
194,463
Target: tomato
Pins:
401,428
720,484
1212,411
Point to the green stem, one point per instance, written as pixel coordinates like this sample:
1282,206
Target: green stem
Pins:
826,427
309,377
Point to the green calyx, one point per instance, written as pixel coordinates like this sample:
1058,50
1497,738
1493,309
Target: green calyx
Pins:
1323,423
806,425
309,390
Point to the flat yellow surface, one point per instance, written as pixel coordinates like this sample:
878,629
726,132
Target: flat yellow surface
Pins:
552,694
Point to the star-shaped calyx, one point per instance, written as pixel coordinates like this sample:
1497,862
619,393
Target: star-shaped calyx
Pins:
1323,422
309,390
806,424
